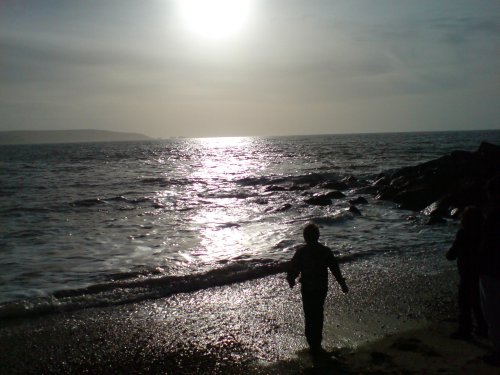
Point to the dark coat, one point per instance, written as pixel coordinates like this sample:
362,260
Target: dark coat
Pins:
312,262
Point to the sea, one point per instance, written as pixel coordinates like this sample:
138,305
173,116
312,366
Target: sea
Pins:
99,224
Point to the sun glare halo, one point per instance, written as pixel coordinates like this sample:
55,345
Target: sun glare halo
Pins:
215,19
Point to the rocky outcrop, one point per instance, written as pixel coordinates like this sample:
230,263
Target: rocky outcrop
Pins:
354,210
325,199
335,194
337,185
358,200
319,200
439,186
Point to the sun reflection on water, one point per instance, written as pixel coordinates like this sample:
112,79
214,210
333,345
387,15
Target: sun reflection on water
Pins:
221,162
224,142
224,158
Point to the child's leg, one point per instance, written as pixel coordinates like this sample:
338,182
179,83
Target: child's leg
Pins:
313,302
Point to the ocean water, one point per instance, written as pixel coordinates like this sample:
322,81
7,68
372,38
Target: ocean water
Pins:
104,223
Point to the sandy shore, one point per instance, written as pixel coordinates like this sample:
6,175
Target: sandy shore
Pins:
392,322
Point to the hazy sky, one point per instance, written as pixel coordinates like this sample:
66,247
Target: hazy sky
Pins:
266,67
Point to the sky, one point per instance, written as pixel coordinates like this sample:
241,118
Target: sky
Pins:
265,67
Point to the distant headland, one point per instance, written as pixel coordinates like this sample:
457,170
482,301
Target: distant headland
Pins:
66,136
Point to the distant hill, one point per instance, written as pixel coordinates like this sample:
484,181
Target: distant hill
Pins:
66,136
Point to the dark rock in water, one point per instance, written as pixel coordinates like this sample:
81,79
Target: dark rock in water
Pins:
275,188
442,207
489,151
282,208
382,181
386,193
296,187
285,207
358,200
261,201
354,210
319,200
335,194
337,185
434,209
351,181
451,181
367,190
416,197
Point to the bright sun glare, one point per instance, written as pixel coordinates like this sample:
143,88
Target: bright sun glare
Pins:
215,19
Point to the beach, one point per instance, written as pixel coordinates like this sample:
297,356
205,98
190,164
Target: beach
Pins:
392,322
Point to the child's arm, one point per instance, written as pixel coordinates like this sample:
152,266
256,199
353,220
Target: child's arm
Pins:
335,270
293,270
290,277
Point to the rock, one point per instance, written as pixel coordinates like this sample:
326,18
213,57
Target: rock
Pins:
432,210
416,197
440,185
387,193
382,181
275,188
296,187
489,151
335,194
319,200
442,208
367,190
282,208
399,181
261,201
358,200
354,210
351,181
337,185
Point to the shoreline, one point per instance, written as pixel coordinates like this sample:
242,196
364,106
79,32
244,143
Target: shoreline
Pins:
256,327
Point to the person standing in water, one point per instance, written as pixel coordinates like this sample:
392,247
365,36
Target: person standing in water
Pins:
311,261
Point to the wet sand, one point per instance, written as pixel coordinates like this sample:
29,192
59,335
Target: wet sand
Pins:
393,321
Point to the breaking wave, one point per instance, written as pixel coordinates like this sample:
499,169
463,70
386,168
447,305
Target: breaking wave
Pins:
132,287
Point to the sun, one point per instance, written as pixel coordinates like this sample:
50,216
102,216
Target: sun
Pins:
215,19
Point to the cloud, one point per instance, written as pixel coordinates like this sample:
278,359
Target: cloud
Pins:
458,31
118,65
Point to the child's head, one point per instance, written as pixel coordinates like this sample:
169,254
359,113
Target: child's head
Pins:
471,217
311,233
